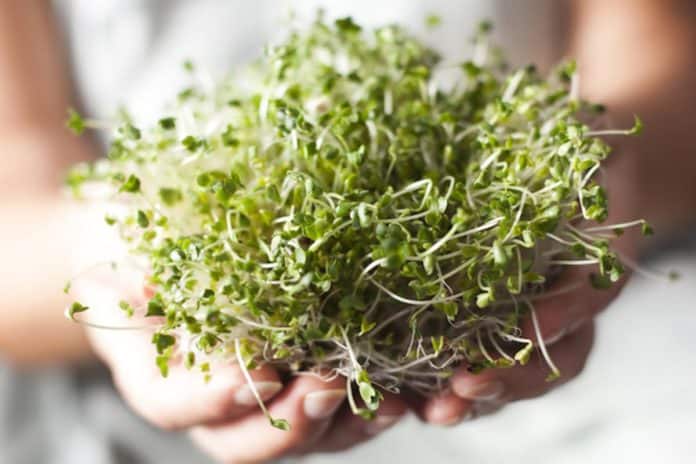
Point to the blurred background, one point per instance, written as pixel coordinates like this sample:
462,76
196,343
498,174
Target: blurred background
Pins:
633,403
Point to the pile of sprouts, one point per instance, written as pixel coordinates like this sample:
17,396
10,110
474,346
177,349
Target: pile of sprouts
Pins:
334,209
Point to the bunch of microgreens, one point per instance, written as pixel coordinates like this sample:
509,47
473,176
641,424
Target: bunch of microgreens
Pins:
334,210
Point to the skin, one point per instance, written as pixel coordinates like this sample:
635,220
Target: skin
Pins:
35,151
636,56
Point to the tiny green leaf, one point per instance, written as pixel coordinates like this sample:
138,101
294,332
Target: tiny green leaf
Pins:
75,122
162,341
142,219
131,185
599,281
167,123
433,21
646,229
637,126
281,424
162,363
75,308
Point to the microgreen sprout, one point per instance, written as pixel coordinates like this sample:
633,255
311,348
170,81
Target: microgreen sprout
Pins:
335,209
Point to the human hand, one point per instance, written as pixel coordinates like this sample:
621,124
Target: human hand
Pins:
222,415
567,329
564,319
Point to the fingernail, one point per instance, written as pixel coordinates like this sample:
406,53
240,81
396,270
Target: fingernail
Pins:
380,423
458,419
322,404
488,391
245,396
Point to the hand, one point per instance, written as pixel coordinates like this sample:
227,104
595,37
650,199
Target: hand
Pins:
565,320
222,415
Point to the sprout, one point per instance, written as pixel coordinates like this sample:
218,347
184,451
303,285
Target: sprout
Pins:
335,210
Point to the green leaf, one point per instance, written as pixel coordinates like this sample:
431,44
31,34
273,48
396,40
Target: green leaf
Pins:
433,21
75,122
366,326
162,341
600,282
369,395
347,25
162,363
170,196
75,308
155,307
533,278
281,424
637,126
437,343
131,132
191,143
142,219
131,185
483,300
228,137
449,308
190,360
646,229
167,123
126,308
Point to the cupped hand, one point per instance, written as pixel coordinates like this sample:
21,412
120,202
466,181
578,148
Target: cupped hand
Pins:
565,322
222,415
566,326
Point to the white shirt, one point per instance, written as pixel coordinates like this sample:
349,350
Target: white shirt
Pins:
129,52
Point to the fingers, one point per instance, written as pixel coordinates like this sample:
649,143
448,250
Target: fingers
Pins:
182,399
307,403
490,389
348,429
446,409
473,395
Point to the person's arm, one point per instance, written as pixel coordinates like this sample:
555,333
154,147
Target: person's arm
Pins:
639,57
37,227
636,57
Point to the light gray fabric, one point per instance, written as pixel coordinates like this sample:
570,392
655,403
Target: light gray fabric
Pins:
75,417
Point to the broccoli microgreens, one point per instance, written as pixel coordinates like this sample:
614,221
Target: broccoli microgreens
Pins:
336,210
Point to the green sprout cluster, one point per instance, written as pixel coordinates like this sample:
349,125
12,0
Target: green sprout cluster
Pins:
335,209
